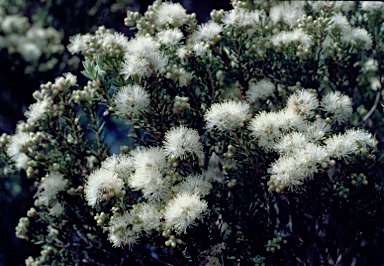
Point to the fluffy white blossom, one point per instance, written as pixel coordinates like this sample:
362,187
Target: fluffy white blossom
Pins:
289,143
340,23
131,100
183,77
151,183
296,36
194,184
15,149
267,128
181,141
183,210
37,110
170,37
182,52
200,49
260,90
338,106
303,102
142,57
121,232
115,40
170,13
50,186
287,12
208,31
122,165
317,130
77,43
372,6
291,170
340,147
56,209
149,159
241,18
149,215
226,116
29,51
102,184
363,139
359,37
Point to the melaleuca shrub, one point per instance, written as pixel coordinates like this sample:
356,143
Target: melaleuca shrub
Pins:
245,144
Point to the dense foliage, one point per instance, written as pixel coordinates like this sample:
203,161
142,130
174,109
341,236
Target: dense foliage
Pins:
254,138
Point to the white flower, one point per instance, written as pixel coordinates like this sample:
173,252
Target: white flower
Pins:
303,102
77,43
194,184
182,52
372,6
226,116
183,78
170,13
37,110
29,51
317,130
116,41
291,142
152,184
149,159
285,172
131,100
340,147
267,128
183,210
338,106
50,186
297,36
149,214
15,149
200,49
170,37
340,23
359,37
122,165
293,169
102,184
361,138
57,209
208,31
287,12
241,18
181,141
70,79
121,231
260,90
142,57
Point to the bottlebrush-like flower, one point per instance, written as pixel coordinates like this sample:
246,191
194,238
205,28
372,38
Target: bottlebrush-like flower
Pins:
303,102
181,141
103,184
183,210
226,116
338,106
171,13
260,90
50,186
131,100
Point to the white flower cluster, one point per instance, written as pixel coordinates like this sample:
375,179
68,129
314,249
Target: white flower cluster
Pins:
147,170
31,41
303,145
131,100
359,37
